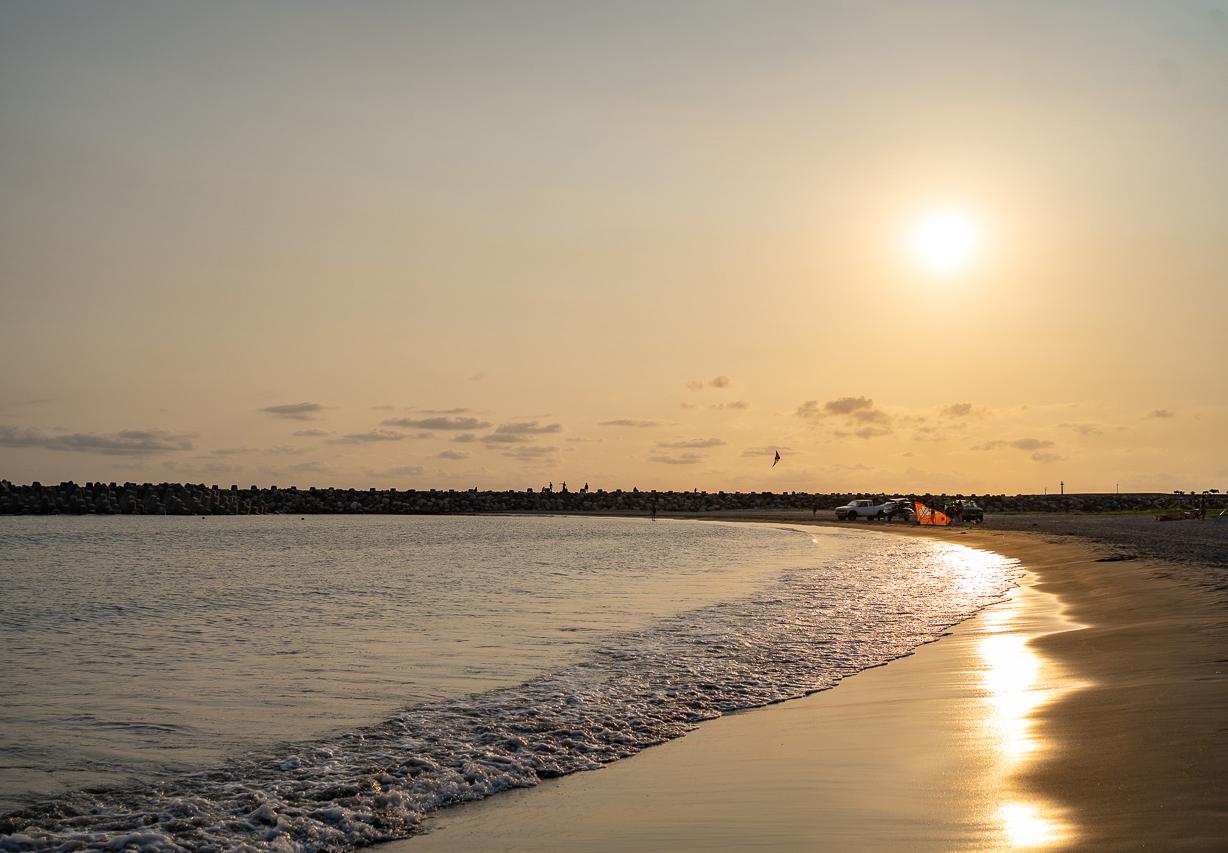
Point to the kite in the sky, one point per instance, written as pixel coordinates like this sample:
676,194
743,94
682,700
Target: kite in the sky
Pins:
777,459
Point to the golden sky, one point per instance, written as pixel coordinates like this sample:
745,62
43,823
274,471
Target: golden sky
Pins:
499,245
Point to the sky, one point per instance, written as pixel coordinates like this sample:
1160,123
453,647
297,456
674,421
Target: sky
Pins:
624,244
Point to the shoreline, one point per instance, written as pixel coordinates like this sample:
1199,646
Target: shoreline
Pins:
1122,716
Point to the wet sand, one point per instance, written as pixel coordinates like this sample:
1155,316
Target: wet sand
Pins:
1086,712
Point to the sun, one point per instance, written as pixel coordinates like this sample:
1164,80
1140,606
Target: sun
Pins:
945,241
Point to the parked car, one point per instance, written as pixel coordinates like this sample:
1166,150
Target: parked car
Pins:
901,508
966,510
862,508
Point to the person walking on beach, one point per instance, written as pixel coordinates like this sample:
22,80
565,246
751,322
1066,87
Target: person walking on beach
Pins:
654,511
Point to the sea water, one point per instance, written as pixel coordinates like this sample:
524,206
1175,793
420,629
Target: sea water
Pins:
329,681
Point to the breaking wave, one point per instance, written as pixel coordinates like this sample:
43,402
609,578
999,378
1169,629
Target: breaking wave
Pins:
803,633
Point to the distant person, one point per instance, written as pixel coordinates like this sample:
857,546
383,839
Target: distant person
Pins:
654,512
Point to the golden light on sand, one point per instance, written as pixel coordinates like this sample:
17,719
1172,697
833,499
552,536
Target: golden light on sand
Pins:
945,241
1017,680
1026,827
1011,682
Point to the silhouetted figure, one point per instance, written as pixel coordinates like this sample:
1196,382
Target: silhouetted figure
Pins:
654,512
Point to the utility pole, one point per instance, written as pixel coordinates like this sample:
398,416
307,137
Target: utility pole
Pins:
1063,487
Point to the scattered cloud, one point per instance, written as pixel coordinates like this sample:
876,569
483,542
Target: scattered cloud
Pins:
458,411
1046,458
858,410
310,467
453,454
715,382
1085,430
383,408
1017,444
437,422
847,405
129,442
686,405
957,410
736,404
527,428
405,470
310,433
534,453
1161,413
477,377
294,411
679,459
465,438
629,422
505,438
372,437
691,443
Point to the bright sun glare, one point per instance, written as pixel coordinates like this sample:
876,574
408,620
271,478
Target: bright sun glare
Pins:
945,241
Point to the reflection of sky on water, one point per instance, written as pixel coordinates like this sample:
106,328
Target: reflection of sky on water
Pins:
1017,681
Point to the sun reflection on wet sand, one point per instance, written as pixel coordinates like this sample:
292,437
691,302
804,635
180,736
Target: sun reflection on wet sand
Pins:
1017,681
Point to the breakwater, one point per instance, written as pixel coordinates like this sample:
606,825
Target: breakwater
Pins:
199,499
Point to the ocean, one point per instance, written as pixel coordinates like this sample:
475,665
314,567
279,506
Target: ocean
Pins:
330,681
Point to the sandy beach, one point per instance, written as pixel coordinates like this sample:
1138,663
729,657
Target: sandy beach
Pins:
1085,712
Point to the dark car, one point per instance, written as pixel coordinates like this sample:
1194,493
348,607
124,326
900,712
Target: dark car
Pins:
901,508
967,511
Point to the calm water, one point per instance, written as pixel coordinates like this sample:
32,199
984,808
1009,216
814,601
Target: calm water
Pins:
328,681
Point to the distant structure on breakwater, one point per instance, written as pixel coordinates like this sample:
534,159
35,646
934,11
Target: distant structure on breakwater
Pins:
193,499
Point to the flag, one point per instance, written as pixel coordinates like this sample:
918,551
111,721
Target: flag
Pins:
927,515
777,459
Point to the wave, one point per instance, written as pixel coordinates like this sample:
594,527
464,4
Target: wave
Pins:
804,633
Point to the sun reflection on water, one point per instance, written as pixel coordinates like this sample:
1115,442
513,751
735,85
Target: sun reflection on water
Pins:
1017,681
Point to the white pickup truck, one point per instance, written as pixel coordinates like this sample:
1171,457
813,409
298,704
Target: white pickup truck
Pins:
864,508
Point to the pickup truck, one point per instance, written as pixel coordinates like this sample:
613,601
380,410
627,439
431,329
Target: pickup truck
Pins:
863,508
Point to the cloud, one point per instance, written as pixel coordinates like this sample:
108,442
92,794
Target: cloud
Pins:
679,459
1017,444
535,453
439,422
527,428
404,471
465,438
691,443
294,411
372,437
310,433
505,438
311,467
736,404
1045,458
957,410
383,408
477,377
859,410
715,382
129,442
846,405
628,422
460,411
1161,413
1086,430
453,454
